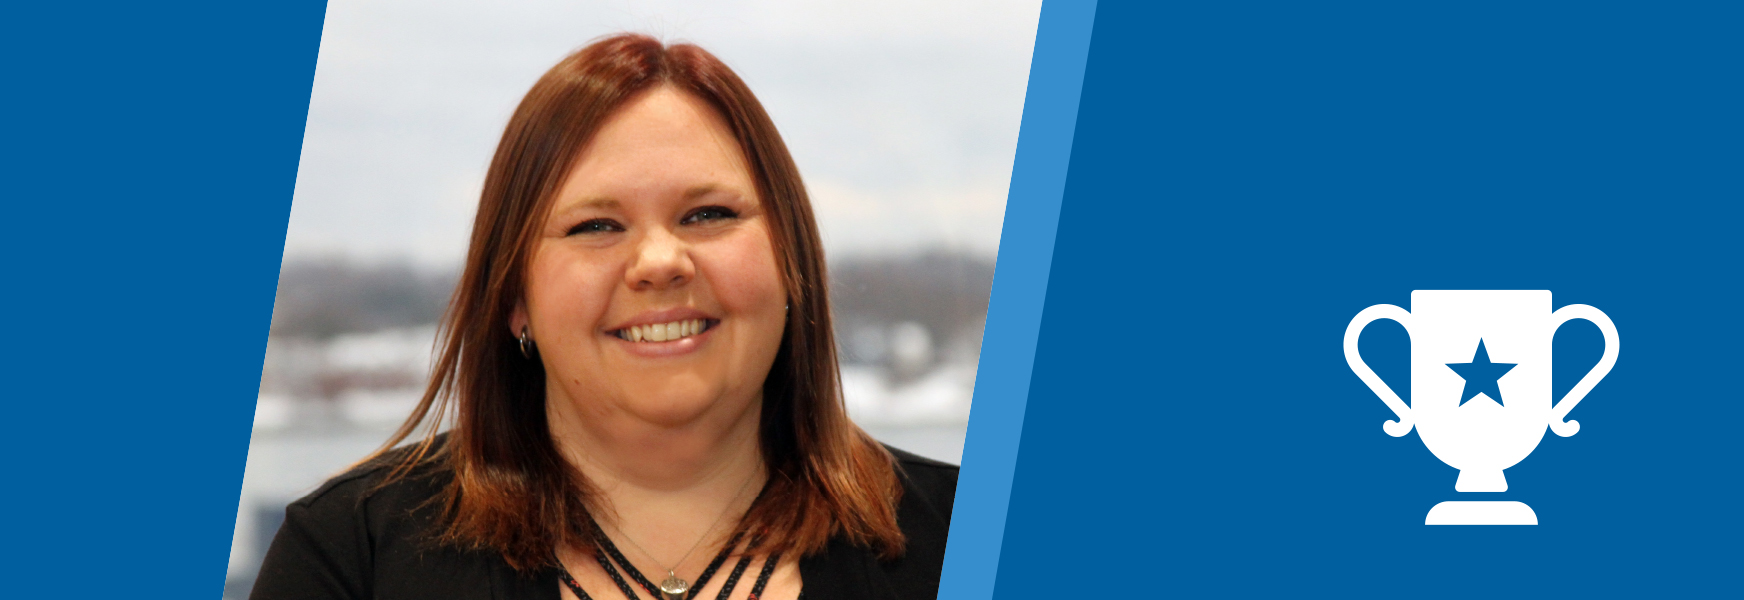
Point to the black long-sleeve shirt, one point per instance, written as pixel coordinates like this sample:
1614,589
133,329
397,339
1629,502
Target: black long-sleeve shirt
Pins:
341,542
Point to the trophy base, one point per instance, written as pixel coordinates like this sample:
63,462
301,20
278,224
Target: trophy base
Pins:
1481,513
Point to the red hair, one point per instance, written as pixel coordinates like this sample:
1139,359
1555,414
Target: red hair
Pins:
512,491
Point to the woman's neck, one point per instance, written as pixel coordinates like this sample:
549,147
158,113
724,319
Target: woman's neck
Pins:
619,449
665,488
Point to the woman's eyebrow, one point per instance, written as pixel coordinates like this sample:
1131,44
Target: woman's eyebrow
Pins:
704,190
598,202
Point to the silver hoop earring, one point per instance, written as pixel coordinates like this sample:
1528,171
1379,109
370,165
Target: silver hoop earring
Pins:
526,344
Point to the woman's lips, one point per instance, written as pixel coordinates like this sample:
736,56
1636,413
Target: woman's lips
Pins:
665,332
669,338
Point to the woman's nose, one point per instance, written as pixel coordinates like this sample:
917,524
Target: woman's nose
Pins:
661,261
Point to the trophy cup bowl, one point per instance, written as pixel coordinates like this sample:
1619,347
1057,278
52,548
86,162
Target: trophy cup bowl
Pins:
1480,386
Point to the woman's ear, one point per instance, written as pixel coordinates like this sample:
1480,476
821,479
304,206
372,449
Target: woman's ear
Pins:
518,319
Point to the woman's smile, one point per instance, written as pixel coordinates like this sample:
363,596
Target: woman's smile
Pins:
662,333
665,332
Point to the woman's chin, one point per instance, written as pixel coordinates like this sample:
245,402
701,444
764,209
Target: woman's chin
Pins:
683,406
675,416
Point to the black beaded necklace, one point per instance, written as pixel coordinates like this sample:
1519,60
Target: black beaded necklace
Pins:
603,548
611,560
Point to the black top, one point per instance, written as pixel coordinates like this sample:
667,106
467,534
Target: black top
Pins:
340,542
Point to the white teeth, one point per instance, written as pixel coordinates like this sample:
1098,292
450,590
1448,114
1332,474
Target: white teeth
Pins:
663,332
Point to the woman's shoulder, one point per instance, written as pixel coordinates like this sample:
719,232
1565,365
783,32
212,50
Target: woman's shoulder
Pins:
932,480
371,533
845,570
387,483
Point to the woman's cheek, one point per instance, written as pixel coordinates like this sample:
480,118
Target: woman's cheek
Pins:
570,291
743,272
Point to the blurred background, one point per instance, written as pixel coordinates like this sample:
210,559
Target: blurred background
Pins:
902,115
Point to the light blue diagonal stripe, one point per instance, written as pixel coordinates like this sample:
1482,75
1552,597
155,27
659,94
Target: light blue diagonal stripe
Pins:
1020,283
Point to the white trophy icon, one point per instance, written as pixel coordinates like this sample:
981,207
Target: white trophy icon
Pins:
1480,386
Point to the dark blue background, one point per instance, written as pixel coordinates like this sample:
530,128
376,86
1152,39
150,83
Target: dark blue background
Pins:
150,151
1246,178
1244,181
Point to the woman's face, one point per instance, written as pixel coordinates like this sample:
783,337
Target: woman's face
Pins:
653,292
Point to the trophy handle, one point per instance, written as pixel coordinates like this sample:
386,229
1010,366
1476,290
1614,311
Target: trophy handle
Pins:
1563,315
1369,315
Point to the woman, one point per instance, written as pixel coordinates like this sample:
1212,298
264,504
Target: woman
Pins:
640,375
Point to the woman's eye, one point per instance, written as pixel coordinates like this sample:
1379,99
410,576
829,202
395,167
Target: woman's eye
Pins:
707,214
595,226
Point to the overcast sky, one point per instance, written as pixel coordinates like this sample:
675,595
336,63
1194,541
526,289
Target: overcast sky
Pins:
903,115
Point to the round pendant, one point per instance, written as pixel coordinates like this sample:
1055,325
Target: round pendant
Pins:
674,588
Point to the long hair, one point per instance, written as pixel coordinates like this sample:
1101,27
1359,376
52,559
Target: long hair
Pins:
512,491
